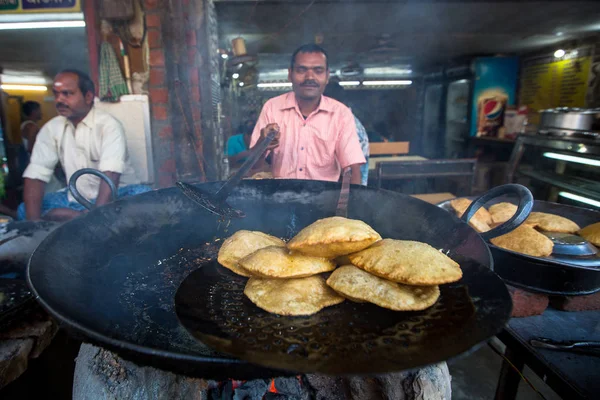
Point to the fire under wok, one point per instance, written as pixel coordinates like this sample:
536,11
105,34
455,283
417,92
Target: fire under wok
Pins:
111,277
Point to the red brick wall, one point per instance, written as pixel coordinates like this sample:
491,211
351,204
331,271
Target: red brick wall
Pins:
164,144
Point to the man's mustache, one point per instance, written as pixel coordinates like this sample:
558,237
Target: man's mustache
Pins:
310,83
61,105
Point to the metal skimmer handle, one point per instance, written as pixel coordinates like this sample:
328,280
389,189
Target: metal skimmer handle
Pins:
255,153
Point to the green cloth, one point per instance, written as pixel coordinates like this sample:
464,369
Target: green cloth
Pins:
112,84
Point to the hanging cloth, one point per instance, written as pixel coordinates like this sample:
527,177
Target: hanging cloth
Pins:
112,84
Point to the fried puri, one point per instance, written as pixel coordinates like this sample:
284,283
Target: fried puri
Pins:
551,223
241,244
482,219
502,212
525,239
358,285
303,296
407,262
591,233
333,237
280,262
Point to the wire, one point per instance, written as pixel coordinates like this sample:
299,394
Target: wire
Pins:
294,18
516,370
250,15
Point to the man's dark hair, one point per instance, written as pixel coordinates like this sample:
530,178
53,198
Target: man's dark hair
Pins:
309,48
335,91
29,107
85,82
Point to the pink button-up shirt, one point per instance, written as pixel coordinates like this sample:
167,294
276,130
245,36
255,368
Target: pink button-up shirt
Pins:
317,147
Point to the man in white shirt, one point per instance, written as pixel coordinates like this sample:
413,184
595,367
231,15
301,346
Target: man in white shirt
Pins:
82,136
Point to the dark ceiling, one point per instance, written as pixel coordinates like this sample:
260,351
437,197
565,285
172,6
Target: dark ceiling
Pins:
421,33
48,50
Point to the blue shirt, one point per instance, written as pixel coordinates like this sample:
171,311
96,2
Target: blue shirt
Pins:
235,145
364,145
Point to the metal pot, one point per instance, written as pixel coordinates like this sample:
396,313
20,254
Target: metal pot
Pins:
570,119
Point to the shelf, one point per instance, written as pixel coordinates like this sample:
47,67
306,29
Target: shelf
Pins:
493,139
580,186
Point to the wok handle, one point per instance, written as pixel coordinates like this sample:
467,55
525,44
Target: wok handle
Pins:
523,209
82,200
255,153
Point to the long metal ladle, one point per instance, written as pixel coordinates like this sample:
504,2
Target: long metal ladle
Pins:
216,202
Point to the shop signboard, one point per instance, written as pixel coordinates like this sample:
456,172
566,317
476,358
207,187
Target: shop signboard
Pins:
38,6
550,82
494,90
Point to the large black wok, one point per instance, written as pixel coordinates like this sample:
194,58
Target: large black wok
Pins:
112,274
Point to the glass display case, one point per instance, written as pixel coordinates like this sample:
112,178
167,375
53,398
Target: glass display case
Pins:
559,169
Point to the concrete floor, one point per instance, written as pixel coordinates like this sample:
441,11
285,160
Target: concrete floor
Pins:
475,377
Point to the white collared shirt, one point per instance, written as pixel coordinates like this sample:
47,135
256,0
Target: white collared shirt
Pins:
97,142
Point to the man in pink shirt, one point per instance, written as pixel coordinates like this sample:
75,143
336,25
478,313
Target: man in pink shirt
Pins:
316,135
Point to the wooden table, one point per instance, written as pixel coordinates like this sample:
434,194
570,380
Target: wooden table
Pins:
374,160
434,198
569,374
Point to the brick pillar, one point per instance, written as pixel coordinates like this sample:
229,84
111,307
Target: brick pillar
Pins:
174,92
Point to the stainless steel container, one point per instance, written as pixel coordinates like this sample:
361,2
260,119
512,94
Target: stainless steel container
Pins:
570,119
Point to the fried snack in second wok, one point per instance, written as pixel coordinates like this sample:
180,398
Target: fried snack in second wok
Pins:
279,262
551,223
502,212
356,284
482,219
591,233
408,262
241,244
302,296
333,237
525,240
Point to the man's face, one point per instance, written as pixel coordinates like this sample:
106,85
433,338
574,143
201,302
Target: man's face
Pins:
36,115
309,75
68,99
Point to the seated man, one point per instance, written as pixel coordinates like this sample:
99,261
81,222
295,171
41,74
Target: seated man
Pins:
316,135
80,137
237,148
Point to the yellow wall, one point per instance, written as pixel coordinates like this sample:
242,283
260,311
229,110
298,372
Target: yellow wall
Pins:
13,112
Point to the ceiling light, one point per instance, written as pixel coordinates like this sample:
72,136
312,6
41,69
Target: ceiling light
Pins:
573,159
387,71
559,33
30,88
560,53
349,83
25,79
241,84
274,85
235,75
42,25
387,83
42,16
224,56
580,199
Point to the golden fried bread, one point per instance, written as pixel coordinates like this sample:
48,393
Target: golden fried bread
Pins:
354,283
591,233
502,212
482,219
241,244
333,237
302,296
280,262
551,223
525,239
408,262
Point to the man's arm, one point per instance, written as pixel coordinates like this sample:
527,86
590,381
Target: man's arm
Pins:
104,193
33,194
348,150
39,171
356,178
112,159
